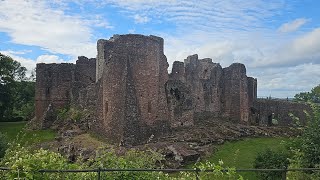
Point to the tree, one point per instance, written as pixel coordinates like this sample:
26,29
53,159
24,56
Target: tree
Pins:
312,96
270,159
306,149
14,89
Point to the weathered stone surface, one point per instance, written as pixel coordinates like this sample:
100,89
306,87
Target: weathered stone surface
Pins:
133,88
268,110
53,87
235,93
204,78
129,98
179,103
183,153
58,85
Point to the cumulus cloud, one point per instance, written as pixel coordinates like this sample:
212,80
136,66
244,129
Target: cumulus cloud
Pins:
49,59
292,26
287,81
283,67
37,23
138,19
302,49
205,14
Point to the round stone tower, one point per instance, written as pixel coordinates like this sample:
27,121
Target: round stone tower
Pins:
132,72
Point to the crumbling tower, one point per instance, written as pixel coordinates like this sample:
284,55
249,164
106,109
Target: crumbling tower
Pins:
132,72
53,90
235,93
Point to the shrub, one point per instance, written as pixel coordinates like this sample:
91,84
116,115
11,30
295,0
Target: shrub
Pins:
25,164
269,159
132,159
306,149
72,113
3,145
217,172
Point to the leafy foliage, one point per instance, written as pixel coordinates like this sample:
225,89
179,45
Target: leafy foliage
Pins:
310,144
269,159
71,113
16,93
26,163
107,158
3,144
312,96
216,171
305,150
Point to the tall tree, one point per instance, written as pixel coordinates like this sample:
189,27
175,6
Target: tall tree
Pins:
11,74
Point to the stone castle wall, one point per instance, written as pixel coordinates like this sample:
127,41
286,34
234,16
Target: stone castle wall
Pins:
131,97
268,109
221,92
58,85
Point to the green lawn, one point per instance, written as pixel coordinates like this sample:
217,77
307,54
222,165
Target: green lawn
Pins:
241,154
15,132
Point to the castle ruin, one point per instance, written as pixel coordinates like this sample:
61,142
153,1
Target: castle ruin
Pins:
131,96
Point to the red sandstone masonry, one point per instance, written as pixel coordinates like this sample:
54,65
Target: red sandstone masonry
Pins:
131,97
133,82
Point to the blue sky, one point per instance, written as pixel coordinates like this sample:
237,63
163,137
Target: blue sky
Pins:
277,40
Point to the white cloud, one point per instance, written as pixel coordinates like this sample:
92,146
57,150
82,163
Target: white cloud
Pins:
287,81
283,67
293,25
302,49
12,52
49,59
138,19
25,62
206,14
35,23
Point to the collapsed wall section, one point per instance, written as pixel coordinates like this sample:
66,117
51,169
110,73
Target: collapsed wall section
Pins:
270,112
60,85
133,95
179,97
203,77
53,88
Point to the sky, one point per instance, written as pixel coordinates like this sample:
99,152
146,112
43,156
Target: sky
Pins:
277,40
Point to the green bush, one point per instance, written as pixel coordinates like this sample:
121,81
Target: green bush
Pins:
26,163
72,113
3,144
217,172
306,149
269,159
132,159
63,113
310,145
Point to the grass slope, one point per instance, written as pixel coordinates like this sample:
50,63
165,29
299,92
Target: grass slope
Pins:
15,132
241,154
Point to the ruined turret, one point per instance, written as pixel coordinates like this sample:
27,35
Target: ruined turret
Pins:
235,93
132,70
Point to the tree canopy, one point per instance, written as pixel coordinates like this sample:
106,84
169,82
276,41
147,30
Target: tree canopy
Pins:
312,96
16,91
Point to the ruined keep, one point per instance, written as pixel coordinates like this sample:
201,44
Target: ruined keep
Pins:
131,97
